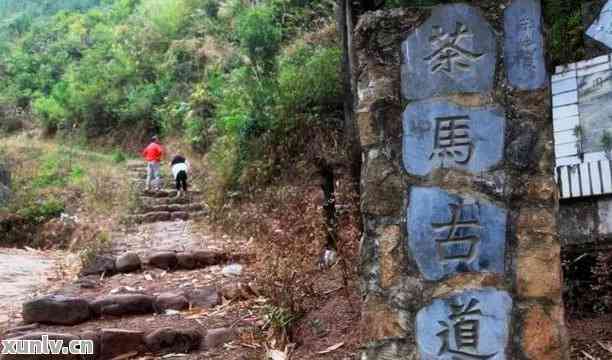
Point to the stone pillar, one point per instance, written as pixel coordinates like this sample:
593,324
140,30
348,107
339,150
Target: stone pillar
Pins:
460,257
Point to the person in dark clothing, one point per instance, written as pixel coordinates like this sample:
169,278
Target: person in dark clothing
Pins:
180,168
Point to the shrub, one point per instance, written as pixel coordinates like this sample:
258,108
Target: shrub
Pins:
258,33
310,77
42,210
118,156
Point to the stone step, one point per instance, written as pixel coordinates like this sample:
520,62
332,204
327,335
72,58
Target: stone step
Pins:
173,208
161,216
166,260
167,193
128,343
70,311
153,201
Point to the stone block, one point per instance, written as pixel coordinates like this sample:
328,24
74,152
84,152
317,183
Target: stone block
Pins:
541,338
57,310
390,255
524,45
536,228
450,234
382,186
539,273
122,305
454,51
441,134
117,342
380,322
470,325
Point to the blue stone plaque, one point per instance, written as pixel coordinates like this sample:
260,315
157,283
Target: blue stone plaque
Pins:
601,29
450,234
441,134
473,325
454,51
524,45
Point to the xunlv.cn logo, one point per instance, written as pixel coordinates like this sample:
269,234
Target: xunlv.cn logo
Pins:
47,346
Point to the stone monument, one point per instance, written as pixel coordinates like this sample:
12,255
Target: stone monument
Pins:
460,258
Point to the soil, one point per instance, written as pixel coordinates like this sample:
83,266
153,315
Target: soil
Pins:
591,338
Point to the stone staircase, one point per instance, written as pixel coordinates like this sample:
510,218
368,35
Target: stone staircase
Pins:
163,289
161,205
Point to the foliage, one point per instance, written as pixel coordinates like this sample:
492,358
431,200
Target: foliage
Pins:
258,33
42,210
310,77
564,17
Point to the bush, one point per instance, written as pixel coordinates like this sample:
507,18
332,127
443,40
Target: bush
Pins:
258,33
43,210
310,77
118,156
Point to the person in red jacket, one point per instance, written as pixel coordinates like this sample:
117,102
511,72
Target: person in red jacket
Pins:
153,154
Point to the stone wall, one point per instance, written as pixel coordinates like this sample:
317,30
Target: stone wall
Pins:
469,239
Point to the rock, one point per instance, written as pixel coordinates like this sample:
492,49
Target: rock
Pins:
208,258
205,298
235,291
186,261
164,260
120,305
115,342
87,282
179,215
128,262
173,340
65,338
157,216
171,301
232,270
100,265
57,310
218,337
520,151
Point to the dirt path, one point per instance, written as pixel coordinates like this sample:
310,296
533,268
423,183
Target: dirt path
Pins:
21,272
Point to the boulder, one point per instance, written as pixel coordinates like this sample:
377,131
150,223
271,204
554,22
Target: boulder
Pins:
171,301
186,261
173,340
116,342
164,260
218,337
205,298
56,310
128,262
100,265
121,305
65,338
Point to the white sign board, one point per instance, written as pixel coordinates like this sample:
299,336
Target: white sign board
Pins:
582,115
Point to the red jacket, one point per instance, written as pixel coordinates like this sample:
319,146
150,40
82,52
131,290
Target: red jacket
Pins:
153,152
